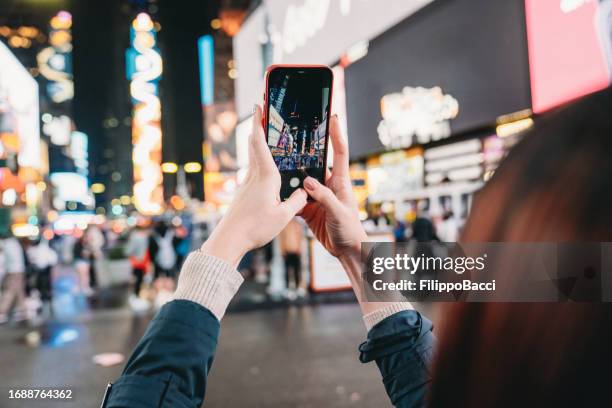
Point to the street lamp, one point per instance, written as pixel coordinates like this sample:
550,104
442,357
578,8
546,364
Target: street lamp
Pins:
192,167
169,167
98,188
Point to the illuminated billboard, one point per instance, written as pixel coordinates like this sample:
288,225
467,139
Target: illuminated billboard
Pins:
206,59
566,59
220,143
79,143
70,187
55,61
144,69
19,108
219,188
307,32
420,83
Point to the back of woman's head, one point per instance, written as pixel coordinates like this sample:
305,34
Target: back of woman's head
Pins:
555,186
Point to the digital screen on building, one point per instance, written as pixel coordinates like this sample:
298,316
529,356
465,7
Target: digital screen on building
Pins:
565,55
144,68
19,107
452,67
306,32
71,187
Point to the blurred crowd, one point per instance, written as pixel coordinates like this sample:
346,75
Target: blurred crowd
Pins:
155,250
29,267
419,226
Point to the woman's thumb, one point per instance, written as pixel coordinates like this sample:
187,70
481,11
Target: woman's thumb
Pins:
322,194
295,202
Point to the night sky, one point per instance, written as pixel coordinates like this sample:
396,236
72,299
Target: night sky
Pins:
302,101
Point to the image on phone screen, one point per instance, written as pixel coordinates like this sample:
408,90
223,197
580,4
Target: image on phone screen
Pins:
298,121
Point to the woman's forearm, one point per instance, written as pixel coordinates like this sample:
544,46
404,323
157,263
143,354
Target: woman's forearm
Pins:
170,364
208,280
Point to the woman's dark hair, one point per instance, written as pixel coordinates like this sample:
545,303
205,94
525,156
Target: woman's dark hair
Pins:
554,186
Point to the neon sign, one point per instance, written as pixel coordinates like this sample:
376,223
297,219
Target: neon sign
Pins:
54,62
207,65
418,113
144,66
566,58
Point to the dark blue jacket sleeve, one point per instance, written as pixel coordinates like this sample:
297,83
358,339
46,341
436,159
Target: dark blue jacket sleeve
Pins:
402,346
170,364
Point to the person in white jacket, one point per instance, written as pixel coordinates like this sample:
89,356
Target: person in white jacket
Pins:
42,260
13,284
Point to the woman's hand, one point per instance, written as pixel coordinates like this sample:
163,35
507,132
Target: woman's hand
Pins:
334,219
257,214
334,216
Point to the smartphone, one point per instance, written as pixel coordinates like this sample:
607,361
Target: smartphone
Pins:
297,105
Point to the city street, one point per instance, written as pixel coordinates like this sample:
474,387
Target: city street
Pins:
300,356
276,354
247,198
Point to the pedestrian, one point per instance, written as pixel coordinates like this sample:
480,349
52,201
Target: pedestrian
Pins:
82,263
162,249
13,286
423,229
268,252
94,241
65,248
182,244
138,253
448,229
399,231
137,250
43,259
290,242
424,242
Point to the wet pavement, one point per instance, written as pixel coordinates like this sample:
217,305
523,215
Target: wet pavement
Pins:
286,357
280,355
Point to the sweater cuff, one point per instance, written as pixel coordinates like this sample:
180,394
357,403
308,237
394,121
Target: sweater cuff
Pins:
373,318
208,281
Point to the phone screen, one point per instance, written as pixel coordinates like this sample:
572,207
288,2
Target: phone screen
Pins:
298,123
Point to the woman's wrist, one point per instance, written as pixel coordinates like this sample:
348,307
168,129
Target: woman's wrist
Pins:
209,281
350,256
224,245
350,259
352,253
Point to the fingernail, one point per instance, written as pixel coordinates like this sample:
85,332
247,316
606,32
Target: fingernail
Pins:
309,183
